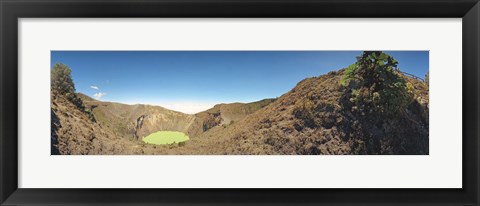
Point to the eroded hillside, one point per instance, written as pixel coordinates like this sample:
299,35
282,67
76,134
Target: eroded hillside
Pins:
315,118
224,115
137,121
75,132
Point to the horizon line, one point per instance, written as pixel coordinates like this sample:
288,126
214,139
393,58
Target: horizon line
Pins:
185,107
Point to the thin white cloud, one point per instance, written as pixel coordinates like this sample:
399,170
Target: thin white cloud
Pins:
94,87
99,95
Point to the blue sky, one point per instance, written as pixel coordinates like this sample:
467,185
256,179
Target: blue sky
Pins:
192,81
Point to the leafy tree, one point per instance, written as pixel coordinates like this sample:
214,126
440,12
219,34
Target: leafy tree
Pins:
61,81
62,84
377,86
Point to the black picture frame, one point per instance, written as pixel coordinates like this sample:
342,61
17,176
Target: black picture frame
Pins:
11,10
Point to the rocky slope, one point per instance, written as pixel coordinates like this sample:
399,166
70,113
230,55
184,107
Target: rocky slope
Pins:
224,115
315,118
75,132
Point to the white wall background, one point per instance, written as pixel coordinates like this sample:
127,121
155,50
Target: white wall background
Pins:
440,169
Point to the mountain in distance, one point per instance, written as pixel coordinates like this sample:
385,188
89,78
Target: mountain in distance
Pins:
137,121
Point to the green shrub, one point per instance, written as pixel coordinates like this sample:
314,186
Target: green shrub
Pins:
376,85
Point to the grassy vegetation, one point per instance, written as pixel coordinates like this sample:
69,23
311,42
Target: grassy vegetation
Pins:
166,137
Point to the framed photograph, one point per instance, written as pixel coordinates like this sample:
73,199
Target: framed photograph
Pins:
239,102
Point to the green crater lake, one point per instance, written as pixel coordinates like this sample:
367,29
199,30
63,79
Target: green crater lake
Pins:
166,137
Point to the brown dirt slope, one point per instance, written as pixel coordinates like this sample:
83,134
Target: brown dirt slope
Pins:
74,132
224,115
315,118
